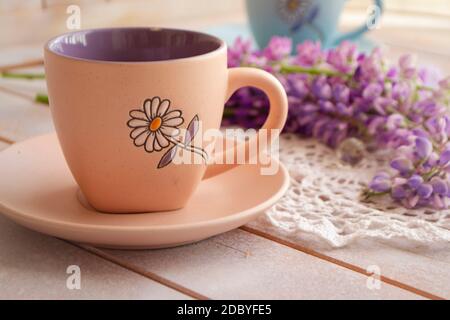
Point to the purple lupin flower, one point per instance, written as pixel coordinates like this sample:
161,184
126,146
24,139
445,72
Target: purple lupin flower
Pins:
432,161
402,165
237,51
278,48
444,84
407,66
309,53
381,182
439,186
438,202
340,94
372,91
401,91
343,57
392,73
425,190
395,121
321,89
399,191
297,86
423,147
410,201
370,67
415,181
380,185
444,159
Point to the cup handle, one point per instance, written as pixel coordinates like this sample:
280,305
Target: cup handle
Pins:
243,77
361,30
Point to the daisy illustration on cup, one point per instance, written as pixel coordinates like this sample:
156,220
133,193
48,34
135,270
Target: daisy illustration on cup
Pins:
155,127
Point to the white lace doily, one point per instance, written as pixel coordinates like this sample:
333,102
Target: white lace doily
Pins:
324,199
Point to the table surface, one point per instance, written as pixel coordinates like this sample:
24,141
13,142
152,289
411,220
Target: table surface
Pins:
241,264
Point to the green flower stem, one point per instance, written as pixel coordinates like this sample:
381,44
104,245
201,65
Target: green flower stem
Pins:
422,87
28,76
41,98
367,194
427,176
426,88
286,69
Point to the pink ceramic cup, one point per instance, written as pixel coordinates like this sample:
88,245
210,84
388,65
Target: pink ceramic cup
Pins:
120,98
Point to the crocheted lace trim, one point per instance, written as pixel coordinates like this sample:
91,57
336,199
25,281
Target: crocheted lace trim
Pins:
324,199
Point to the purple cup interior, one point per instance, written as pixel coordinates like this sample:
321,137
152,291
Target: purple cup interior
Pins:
134,44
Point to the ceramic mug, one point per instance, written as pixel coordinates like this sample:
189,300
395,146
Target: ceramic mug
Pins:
119,98
302,20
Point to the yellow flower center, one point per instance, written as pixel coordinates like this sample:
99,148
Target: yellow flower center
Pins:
155,124
293,5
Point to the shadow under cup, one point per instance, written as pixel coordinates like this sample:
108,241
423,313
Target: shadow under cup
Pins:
96,78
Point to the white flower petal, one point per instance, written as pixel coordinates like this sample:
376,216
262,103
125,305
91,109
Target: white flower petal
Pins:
137,132
156,145
172,114
138,114
147,108
149,142
155,105
163,107
135,123
169,131
172,122
162,140
141,139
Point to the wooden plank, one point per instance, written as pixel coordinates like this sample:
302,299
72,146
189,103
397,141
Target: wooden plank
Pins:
21,119
34,266
422,267
28,86
239,265
22,65
20,53
145,273
3,145
399,267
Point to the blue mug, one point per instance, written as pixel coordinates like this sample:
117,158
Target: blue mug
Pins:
302,20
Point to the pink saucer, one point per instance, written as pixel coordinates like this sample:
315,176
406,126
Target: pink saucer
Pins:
38,191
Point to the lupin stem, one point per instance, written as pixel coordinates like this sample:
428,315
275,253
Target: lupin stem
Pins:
286,69
41,98
28,76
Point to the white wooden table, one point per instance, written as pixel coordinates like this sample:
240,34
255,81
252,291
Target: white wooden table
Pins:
242,264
